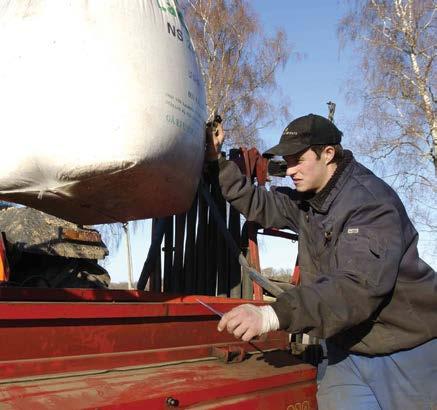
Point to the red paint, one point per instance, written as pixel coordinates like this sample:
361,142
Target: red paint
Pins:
248,385
93,333
47,336
295,278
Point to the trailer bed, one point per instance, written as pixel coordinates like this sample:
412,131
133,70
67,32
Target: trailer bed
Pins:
82,349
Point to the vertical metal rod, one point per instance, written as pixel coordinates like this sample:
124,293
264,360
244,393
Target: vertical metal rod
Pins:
129,256
168,253
234,266
212,250
235,271
223,288
177,282
156,282
275,290
158,227
201,248
190,249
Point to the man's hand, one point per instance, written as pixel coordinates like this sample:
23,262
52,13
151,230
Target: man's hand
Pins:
248,321
214,141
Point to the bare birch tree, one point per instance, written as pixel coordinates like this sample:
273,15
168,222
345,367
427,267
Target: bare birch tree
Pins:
238,63
396,84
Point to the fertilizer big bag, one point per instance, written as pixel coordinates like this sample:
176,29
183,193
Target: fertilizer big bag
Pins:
102,108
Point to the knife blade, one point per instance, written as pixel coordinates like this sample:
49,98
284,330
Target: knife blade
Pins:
209,307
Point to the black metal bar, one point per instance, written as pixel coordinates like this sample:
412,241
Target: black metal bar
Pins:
156,279
254,275
177,278
157,275
234,266
168,253
223,288
201,249
235,270
158,227
212,250
246,282
190,249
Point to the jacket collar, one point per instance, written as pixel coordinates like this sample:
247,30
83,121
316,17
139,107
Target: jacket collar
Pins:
323,199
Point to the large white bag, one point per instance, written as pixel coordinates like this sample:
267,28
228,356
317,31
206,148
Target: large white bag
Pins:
102,108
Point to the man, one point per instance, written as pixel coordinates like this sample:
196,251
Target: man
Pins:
363,286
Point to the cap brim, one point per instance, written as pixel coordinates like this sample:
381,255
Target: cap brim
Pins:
285,149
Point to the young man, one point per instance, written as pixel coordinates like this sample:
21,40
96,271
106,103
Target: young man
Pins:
363,286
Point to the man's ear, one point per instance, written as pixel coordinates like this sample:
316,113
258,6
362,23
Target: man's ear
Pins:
329,154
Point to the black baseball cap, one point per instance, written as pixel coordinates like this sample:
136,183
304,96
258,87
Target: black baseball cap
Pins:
304,132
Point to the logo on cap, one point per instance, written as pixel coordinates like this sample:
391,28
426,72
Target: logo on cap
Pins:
288,132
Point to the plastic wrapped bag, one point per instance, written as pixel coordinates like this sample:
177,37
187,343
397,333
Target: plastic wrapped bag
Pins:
102,109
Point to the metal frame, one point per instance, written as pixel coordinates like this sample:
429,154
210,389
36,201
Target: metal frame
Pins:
64,330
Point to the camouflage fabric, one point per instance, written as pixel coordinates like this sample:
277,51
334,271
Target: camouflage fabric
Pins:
32,231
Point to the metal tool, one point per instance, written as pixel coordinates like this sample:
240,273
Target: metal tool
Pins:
209,307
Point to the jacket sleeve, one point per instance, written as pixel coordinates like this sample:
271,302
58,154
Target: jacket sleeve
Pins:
271,209
367,257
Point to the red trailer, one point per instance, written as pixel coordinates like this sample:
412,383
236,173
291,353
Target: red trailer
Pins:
87,349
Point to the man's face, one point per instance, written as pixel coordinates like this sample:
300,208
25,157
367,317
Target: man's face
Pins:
309,173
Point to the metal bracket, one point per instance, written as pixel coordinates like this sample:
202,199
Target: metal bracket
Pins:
229,354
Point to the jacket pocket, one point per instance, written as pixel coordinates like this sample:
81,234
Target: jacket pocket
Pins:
362,254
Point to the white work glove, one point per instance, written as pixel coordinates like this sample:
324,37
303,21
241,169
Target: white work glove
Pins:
248,321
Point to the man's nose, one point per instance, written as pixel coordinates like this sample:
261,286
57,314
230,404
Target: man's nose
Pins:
291,171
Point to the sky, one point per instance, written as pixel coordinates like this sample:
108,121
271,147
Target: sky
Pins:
309,83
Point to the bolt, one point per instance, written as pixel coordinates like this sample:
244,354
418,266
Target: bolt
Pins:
171,402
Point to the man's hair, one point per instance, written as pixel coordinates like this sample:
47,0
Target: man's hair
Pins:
338,156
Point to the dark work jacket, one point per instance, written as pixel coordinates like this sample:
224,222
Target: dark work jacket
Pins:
363,285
